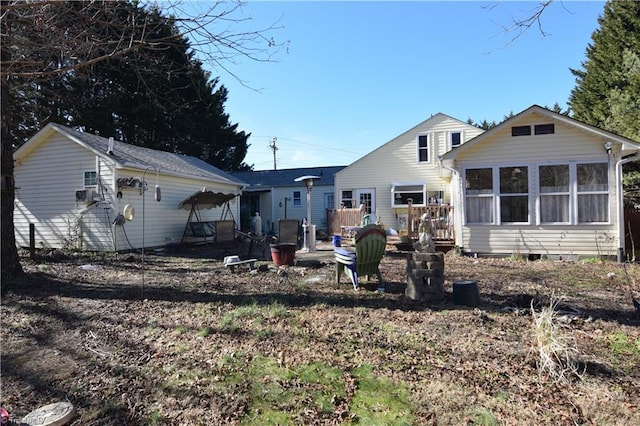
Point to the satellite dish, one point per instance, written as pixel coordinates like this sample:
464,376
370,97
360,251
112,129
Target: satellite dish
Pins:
128,212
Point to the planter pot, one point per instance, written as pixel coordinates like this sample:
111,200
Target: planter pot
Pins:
283,253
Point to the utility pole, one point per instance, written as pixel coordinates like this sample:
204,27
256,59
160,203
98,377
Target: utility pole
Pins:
274,148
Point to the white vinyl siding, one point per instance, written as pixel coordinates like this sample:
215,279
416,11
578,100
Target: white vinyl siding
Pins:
396,161
554,228
48,177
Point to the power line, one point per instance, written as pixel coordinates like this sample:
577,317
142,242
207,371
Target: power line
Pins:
324,147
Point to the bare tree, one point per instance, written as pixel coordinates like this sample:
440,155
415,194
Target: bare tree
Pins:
520,25
45,39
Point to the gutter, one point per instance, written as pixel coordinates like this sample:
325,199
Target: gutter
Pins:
620,203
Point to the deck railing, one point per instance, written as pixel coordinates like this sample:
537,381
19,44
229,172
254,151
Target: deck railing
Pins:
338,219
441,217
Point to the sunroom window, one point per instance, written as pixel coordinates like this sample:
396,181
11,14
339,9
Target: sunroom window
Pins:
400,195
514,194
593,192
554,194
479,195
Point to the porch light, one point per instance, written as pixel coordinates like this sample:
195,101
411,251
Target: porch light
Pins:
607,146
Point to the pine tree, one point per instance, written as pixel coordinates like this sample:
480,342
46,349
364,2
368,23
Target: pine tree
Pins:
607,92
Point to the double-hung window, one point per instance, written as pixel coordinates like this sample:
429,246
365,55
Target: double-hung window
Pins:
514,194
456,138
555,195
586,200
423,148
592,192
346,199
297,198
505,188
90,179
479,195
572,193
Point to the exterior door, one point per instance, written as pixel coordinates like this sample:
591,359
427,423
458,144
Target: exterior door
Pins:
367,196
328,204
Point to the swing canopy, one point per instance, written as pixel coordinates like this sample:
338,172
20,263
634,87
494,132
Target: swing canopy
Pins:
206,199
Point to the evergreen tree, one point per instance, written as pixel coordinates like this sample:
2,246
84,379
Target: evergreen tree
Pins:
52,56
607,92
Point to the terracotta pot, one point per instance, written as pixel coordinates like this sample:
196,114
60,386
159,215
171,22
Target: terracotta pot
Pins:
283,253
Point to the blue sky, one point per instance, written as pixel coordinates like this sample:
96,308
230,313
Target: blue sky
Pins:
358,74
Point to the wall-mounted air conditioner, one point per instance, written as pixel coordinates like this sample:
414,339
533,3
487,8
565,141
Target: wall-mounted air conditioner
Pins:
87,196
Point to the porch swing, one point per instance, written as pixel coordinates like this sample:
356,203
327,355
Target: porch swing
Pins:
219,232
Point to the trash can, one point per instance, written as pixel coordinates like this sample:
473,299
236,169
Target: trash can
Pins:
336,240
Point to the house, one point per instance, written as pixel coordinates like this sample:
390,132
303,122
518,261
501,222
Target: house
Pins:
540,184
275,194
79,191
403,170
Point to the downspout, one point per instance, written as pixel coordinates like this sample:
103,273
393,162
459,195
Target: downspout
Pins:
620,203
457,205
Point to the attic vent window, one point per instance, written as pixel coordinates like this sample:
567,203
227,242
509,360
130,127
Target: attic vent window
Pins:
544,129
521,131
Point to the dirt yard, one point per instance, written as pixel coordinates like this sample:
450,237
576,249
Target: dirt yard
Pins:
187,341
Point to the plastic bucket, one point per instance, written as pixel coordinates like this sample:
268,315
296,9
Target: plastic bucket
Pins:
466,293
336,240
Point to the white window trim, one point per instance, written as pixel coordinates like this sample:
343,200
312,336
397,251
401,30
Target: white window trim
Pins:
424,194
574,187
538,202
293,199
430,151
496,176
84,173
534,194
450,138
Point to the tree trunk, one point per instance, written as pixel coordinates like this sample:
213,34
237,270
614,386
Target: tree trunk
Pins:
9,260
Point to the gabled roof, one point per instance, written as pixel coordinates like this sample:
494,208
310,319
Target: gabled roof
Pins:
431,121
278,178
125,155
627,146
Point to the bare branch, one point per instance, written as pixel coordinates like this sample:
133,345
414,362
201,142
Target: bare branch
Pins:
519,26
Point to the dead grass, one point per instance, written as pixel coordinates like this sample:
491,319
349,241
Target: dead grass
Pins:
207,346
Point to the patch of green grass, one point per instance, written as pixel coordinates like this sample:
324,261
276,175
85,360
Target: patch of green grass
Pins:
481,416
379,401
620,344
265,334
269,417
155,418
597,259
181,329
205,331
228,322
276,309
